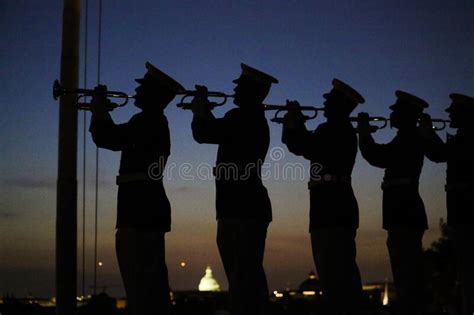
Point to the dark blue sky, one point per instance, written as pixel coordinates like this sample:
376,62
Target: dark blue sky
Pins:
423,47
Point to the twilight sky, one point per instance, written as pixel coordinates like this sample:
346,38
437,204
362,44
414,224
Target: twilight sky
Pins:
422,47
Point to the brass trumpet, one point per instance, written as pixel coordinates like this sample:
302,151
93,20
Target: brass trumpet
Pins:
376,119
280,108
443,122
192,93
385,121
59,90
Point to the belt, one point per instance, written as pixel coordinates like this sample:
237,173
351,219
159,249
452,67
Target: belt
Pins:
132,177
328,178
459,186
397,182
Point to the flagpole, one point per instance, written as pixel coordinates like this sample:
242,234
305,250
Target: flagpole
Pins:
66,191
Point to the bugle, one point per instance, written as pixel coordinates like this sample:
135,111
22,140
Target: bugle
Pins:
442,123
59,90
192,93
280,108
376,119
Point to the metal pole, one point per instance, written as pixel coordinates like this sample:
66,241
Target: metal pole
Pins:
99,55
66,193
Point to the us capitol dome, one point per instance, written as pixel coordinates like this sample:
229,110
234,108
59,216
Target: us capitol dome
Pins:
208,283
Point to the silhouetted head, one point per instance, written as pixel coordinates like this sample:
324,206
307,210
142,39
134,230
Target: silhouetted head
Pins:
461,111
341,101
407,110
252,87
156,89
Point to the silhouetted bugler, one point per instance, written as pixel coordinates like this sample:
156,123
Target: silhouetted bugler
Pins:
242,203
404,215
143,208
456,151
334,219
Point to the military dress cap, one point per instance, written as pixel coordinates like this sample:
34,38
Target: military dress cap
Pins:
158,77
407,100
460,102
339,87
257,75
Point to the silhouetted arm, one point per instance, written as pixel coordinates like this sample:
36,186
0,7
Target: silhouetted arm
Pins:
297,140
435,149
375,154
208,129
106,134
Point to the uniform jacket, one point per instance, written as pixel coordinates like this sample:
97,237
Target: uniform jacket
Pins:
243,138
332,146
402,160
145,145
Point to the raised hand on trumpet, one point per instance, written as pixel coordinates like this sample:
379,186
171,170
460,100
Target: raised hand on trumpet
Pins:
294,118
425,123
363,126
100,102
425,127
363,123
200,104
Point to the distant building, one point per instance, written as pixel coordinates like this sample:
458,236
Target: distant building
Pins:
309,289
379,293
311,285
208,283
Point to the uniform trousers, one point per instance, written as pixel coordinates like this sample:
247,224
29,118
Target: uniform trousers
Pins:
405,249
334,254
141,259
464,251
241,244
